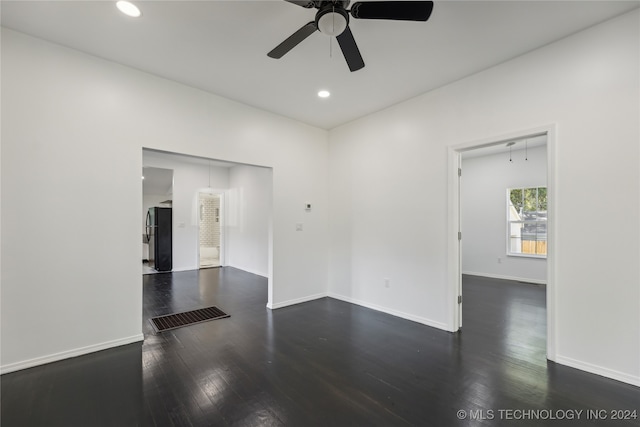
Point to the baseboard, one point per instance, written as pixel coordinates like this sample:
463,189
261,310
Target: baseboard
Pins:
413,318
500,276
296,301
176,270
17,366
248,270
599,370
257,273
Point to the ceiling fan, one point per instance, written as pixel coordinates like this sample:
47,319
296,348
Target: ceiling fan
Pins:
332,19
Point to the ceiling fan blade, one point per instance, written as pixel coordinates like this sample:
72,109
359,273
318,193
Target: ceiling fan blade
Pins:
293,40
350,50
397,10
304,3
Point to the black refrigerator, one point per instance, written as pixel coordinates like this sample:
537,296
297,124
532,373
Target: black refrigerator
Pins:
159,232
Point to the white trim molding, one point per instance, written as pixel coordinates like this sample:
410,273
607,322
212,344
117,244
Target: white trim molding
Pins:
248,270
411,317
296,301
499,276
454,256
598,370
17,366
179,270
417,319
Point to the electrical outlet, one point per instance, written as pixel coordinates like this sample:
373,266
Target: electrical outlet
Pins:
387,282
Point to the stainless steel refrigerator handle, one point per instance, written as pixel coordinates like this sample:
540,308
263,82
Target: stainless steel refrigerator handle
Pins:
148,226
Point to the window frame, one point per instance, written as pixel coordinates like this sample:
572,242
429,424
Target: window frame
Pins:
509,222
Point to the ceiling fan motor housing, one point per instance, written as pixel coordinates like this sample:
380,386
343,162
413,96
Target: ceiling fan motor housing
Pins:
332,18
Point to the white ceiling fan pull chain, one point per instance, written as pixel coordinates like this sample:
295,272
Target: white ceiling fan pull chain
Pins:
334,29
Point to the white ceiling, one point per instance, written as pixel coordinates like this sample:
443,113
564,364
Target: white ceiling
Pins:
157,181
160,181
502,147
221,47
184,158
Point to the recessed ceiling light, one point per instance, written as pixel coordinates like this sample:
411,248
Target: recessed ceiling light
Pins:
128,8
324,94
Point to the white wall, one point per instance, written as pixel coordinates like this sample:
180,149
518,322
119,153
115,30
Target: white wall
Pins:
483,217
62,110
188,180
248,215
391,168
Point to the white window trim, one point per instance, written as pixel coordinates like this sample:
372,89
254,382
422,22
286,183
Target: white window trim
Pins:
508,225
526,255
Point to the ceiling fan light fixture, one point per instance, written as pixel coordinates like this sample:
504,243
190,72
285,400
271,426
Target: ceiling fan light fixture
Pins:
128,8
332,19
332,23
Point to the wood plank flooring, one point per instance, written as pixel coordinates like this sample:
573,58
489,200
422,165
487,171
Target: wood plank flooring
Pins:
321,363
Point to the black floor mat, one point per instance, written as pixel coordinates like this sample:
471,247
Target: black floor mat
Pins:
186,318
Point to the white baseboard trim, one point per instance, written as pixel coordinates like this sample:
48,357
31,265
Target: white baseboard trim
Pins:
257,273
177,270
500,276
413,318
599,370
296,301
17,366
248,270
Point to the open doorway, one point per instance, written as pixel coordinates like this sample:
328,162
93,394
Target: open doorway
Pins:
497,240
157,229
503,210
243,216
210,229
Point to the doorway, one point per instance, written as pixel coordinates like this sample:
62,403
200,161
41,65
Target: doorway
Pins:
244,216
210,209
157,195
458,233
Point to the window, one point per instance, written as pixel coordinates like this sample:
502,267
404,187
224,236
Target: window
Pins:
527,222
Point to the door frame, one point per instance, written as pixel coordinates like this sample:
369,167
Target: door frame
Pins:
221,195
455,245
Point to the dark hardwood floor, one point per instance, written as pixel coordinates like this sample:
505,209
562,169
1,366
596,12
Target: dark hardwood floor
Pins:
322,363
